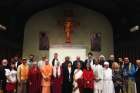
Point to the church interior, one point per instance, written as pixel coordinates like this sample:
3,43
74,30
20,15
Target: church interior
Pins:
70,46
122,16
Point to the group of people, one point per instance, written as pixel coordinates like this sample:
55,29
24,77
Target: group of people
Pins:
94,75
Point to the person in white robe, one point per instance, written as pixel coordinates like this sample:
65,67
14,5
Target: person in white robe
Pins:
98,72
108,86
77,75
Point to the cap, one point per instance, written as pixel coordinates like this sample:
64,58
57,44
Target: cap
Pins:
106,63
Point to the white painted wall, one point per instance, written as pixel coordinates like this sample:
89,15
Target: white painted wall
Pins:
72,52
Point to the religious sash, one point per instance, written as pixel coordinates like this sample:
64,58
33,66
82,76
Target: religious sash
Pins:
69,70
56,72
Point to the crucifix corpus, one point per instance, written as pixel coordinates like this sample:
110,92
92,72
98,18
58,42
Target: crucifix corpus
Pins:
68,28
69,24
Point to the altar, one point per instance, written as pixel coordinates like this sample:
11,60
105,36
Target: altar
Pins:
67,50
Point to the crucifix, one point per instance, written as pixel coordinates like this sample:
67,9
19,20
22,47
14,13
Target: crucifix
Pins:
69,25
68,28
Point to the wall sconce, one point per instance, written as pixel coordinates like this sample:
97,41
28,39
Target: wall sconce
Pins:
2,28
134,28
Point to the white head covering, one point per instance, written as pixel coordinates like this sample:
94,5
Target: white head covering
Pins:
106,63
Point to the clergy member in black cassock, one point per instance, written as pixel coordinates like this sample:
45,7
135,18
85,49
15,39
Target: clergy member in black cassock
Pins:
67,76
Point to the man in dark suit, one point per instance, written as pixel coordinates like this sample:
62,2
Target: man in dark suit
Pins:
111,60
65,63
17,61
78,60
90,60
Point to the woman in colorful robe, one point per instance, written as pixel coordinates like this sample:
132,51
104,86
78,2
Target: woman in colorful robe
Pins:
77,83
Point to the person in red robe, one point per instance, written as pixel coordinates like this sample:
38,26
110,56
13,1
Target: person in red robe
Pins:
34,79
88,79
57,78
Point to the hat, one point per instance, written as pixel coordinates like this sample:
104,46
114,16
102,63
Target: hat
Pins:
106,63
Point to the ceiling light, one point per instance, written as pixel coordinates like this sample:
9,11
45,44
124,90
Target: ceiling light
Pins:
2,28
134,28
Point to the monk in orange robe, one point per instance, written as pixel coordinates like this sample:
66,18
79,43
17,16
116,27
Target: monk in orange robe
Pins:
46,72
